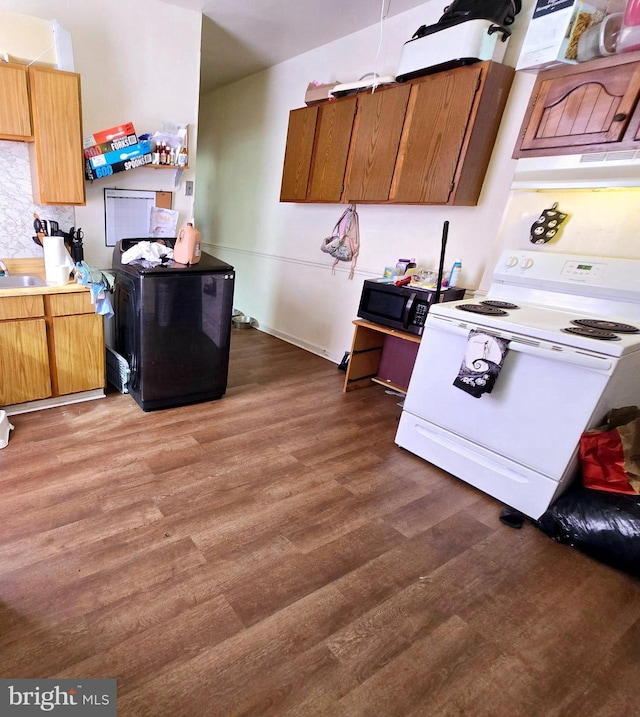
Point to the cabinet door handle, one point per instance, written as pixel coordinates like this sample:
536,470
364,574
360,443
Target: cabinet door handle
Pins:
620,117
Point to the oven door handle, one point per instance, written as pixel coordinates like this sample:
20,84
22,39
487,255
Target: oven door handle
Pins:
566,356
571,358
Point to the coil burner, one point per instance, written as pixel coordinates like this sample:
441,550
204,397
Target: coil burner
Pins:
482,309
592,333
500,304
614,326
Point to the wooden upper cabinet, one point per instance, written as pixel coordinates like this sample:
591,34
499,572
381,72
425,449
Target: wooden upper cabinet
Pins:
449,133
582,108
57,130
329,162
375,143
297,157
434,133
15,114
427,141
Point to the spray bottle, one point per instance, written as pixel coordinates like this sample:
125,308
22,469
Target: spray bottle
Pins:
454,274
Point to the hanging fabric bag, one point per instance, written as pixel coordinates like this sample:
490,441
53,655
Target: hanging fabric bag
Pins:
344,242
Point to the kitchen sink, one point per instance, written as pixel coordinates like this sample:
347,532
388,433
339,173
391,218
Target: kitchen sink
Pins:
21,281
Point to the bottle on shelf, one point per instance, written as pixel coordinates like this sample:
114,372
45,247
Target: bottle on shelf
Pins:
182,157
163,153
156,153
172,157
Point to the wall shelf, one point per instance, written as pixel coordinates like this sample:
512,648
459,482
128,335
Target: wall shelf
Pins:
166,166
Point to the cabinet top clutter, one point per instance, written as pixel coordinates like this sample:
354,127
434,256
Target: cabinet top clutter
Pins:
426,141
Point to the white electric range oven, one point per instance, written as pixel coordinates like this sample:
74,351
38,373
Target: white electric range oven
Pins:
570,326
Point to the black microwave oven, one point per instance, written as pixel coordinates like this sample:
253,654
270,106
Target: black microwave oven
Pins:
400,307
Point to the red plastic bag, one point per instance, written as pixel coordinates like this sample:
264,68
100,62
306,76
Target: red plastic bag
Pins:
610,454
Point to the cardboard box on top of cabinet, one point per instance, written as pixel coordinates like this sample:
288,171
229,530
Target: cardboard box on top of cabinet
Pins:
553,33
318,92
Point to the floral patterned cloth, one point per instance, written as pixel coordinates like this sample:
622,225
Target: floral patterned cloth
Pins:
483,359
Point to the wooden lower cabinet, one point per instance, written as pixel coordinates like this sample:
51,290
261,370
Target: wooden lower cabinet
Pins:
24,361
50,345
78,354
76,341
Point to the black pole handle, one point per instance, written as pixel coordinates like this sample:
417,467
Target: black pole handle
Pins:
443,247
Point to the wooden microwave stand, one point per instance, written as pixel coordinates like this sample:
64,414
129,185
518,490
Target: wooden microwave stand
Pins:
382,355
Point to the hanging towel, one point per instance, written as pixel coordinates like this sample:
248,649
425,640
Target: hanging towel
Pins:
99,283
481,364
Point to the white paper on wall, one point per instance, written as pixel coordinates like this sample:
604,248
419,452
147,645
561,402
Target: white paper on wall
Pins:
163,223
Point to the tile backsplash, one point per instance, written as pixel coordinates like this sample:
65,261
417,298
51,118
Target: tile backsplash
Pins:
17,207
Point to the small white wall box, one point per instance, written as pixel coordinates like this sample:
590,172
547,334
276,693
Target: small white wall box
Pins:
553,33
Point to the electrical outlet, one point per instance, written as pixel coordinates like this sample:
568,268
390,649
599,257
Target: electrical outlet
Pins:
188,188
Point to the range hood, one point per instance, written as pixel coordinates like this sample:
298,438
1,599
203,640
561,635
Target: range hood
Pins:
593,170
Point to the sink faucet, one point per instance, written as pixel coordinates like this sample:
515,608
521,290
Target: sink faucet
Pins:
3,269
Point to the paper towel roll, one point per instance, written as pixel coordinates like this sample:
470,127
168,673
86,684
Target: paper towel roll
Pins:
57,261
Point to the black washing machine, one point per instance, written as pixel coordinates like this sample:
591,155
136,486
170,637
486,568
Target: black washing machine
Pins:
173,326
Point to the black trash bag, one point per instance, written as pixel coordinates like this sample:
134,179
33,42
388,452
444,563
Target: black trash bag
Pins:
605,526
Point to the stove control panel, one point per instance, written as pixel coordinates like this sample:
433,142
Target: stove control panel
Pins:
578,269
520,262
606,277
583,270
607,285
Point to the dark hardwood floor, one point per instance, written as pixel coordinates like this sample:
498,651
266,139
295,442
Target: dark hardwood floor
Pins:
275,553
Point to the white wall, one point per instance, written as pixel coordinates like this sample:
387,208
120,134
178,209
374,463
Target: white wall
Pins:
140,62
283,279
24,38
600,222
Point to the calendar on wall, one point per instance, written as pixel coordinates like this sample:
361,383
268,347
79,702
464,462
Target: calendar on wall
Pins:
127,213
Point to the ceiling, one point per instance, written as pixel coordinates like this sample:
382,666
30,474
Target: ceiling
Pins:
241,37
